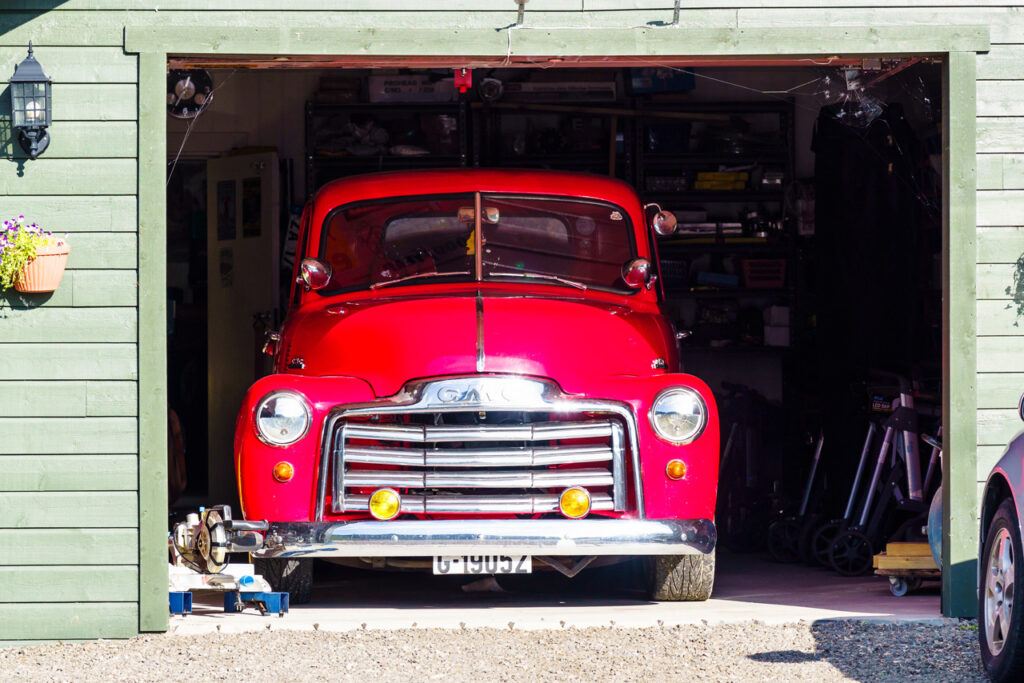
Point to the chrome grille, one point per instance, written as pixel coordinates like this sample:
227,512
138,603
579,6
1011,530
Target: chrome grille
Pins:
507,467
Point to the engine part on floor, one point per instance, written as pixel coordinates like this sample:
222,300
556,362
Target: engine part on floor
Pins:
202,542
826,533
789,535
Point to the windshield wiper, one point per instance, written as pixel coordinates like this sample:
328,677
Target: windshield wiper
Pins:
544,276
376,285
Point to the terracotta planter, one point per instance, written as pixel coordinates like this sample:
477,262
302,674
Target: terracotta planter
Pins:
44,272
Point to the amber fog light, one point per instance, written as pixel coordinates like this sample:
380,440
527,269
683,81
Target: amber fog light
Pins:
574,502
675,469
385,504
283,471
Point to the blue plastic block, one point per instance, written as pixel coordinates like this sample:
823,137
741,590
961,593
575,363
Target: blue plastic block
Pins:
266,603
181,602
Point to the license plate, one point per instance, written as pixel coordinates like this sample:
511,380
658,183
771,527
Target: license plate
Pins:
483,564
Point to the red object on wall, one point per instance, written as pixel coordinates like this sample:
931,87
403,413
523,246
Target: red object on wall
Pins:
463,79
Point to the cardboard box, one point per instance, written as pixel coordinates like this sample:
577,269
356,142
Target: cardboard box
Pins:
777,316
776,335
410,88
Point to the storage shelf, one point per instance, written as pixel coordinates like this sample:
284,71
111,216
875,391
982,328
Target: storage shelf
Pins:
668,159
709,196
314,107
555,159
736,293
387,160
734,348
711,245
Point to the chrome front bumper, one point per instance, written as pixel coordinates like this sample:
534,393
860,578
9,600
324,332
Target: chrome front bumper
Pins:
553,537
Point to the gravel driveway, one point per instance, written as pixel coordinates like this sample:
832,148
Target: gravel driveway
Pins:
822,651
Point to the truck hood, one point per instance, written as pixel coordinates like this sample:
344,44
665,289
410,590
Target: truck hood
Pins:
388,342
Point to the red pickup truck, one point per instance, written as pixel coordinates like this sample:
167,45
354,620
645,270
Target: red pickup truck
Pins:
475,376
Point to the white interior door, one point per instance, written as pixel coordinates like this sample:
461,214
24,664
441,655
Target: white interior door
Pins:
242,236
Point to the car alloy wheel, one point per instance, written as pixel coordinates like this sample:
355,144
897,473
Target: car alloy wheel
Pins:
1000,627
999,586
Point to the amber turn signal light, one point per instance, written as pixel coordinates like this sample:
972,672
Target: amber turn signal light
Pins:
574,502
385,504
675,469
283,471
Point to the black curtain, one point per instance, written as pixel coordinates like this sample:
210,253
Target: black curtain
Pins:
867,226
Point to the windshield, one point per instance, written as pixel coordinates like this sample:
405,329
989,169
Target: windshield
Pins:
413,240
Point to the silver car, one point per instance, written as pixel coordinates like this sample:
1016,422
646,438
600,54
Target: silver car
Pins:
1001,566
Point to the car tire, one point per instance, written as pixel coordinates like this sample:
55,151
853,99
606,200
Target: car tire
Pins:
1002,644
680,578
291,576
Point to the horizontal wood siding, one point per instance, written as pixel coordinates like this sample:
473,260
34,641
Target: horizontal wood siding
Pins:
90,472
68,399
67,584
73,546
70,620
62,361
1000,245
69,504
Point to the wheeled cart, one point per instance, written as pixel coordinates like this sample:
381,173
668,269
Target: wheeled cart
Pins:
907,565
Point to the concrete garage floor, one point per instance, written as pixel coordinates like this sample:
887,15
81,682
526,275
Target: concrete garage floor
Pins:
747,588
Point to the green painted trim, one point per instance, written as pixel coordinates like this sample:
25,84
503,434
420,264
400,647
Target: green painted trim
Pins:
959,345
957,43
152,343
529,41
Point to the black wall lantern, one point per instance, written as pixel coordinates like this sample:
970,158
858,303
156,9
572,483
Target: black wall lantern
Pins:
31,105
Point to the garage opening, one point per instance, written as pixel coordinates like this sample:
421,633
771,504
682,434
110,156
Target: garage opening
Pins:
802,275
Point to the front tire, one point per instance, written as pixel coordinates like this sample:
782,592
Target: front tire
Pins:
680,578
291,576
1000,605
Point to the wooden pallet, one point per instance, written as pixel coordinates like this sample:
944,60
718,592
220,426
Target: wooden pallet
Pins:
906,558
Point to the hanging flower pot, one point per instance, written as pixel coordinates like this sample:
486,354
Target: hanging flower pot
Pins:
44,272
31,259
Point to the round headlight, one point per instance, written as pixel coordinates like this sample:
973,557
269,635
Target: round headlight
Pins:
679,415
282,418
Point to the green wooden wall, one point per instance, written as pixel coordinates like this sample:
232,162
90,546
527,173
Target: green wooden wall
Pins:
70,364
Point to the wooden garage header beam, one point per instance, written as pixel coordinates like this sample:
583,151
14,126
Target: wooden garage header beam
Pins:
524,41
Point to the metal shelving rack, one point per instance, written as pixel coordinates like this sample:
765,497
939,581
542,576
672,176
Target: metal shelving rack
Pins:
785,245
321,168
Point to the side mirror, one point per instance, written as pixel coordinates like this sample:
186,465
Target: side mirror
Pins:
638,273
664,223
315,273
